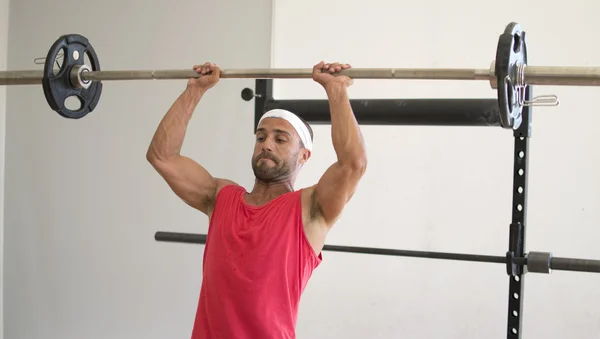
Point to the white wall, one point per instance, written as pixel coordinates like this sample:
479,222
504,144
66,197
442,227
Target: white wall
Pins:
449,189
82,202
4,9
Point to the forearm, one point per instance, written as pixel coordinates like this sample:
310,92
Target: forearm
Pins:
170,133
346,136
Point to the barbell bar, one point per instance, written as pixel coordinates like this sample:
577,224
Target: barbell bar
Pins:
535,262
533,75
509,74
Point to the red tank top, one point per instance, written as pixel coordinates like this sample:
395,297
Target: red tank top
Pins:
257,262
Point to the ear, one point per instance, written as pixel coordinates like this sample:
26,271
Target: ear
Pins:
305,155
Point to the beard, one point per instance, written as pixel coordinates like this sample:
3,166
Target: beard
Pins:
268,173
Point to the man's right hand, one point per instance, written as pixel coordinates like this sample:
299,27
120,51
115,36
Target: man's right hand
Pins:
211,74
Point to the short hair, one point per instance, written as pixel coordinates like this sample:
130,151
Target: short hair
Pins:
310,131
307,126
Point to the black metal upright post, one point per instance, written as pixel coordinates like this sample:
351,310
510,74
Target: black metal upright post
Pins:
516,270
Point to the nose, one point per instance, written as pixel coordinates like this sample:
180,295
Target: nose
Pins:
267,145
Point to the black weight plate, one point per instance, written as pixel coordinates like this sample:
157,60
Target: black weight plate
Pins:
511,50
57,87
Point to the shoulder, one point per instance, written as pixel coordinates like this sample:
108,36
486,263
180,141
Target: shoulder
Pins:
220,184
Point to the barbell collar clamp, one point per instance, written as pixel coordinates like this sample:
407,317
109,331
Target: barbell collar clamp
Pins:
77,76
539,262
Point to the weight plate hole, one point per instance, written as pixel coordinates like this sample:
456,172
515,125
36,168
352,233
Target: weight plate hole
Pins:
517,42
86,60
58,62
73,103
510,94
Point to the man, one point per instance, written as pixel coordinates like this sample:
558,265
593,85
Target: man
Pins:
262,246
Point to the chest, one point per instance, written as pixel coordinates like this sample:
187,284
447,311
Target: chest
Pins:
248,240
255,225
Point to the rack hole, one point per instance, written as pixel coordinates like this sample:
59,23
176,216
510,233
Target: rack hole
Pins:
516,295
519,207
521,154
515,313
517,278
514,330
520,189
521,171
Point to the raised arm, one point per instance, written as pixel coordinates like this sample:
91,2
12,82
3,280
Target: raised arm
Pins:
339,182
188,179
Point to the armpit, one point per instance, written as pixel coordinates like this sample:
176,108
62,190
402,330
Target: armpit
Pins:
315,208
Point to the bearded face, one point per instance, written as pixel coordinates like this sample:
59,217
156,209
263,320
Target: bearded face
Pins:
278,151
268,167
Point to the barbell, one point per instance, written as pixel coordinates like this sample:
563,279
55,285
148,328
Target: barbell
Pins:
509,69
535,262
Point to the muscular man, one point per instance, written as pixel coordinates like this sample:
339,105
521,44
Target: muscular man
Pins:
262,246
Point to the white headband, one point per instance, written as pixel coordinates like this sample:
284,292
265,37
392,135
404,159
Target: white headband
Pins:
293,119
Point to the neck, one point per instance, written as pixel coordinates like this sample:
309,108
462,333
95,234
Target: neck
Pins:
272,188
263,192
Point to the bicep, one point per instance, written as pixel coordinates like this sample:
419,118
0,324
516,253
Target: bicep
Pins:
335,188
189,181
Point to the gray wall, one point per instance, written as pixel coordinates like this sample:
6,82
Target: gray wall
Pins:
82,204
3,55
